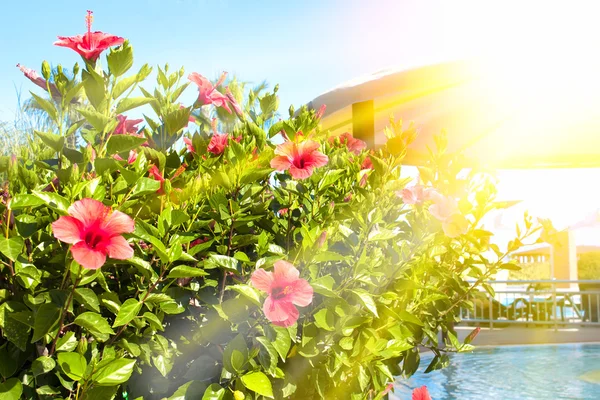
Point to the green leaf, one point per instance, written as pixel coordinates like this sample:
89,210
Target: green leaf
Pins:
120,59
93,85
67,343
24,201
55,142
8,365
251,175
153,321
259,383
47,106
145,186
383,234
106,164
184,271
73,365
131,103
97,120
367,300
235,355
129,310
510,267
189,391
217,260
101,393
248,292
11,247
214,392
12,389
408,317
122,85
176,120
42,365
324,319
88,298
46,319
114,373
95,324
53,200
324,286
122,143
330,178
281,340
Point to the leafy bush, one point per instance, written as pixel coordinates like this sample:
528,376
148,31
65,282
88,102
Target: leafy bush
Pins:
232,267
588,265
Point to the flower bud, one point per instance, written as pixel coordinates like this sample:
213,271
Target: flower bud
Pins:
46,70
237,395
76,69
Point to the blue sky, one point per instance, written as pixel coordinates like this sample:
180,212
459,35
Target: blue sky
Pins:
305,46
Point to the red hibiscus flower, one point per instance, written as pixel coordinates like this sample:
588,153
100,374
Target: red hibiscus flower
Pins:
38,80
354,145
154,172
219,141
300,158
207,93
421,394
367,163
95,231
91,44
285,289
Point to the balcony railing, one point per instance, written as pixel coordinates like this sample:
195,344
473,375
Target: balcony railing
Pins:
536,302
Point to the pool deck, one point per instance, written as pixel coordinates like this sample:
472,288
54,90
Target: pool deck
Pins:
515,335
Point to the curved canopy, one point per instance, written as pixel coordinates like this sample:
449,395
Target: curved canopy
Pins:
500,117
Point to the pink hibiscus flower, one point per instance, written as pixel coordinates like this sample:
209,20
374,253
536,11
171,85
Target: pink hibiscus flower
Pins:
234,103
207,93
38,80
417,194
154,172
300,158
354,145
421,394
95,231
445,209
91,44
127,126
130,160
319,114
285,290
217,143
188,144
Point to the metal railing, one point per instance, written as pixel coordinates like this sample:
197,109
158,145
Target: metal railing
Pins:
536,302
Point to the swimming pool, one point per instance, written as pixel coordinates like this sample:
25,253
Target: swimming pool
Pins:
544,372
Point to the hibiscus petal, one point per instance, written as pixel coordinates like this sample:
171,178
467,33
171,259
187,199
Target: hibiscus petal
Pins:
308,146
88,257
421,394
67,229
119,248
118,223
293,317
300,173
288,149
302,293
88,211
285,273
280,163
262,280
316,159
279,311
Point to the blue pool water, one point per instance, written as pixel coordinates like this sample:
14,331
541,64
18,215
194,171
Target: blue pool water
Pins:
544,372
